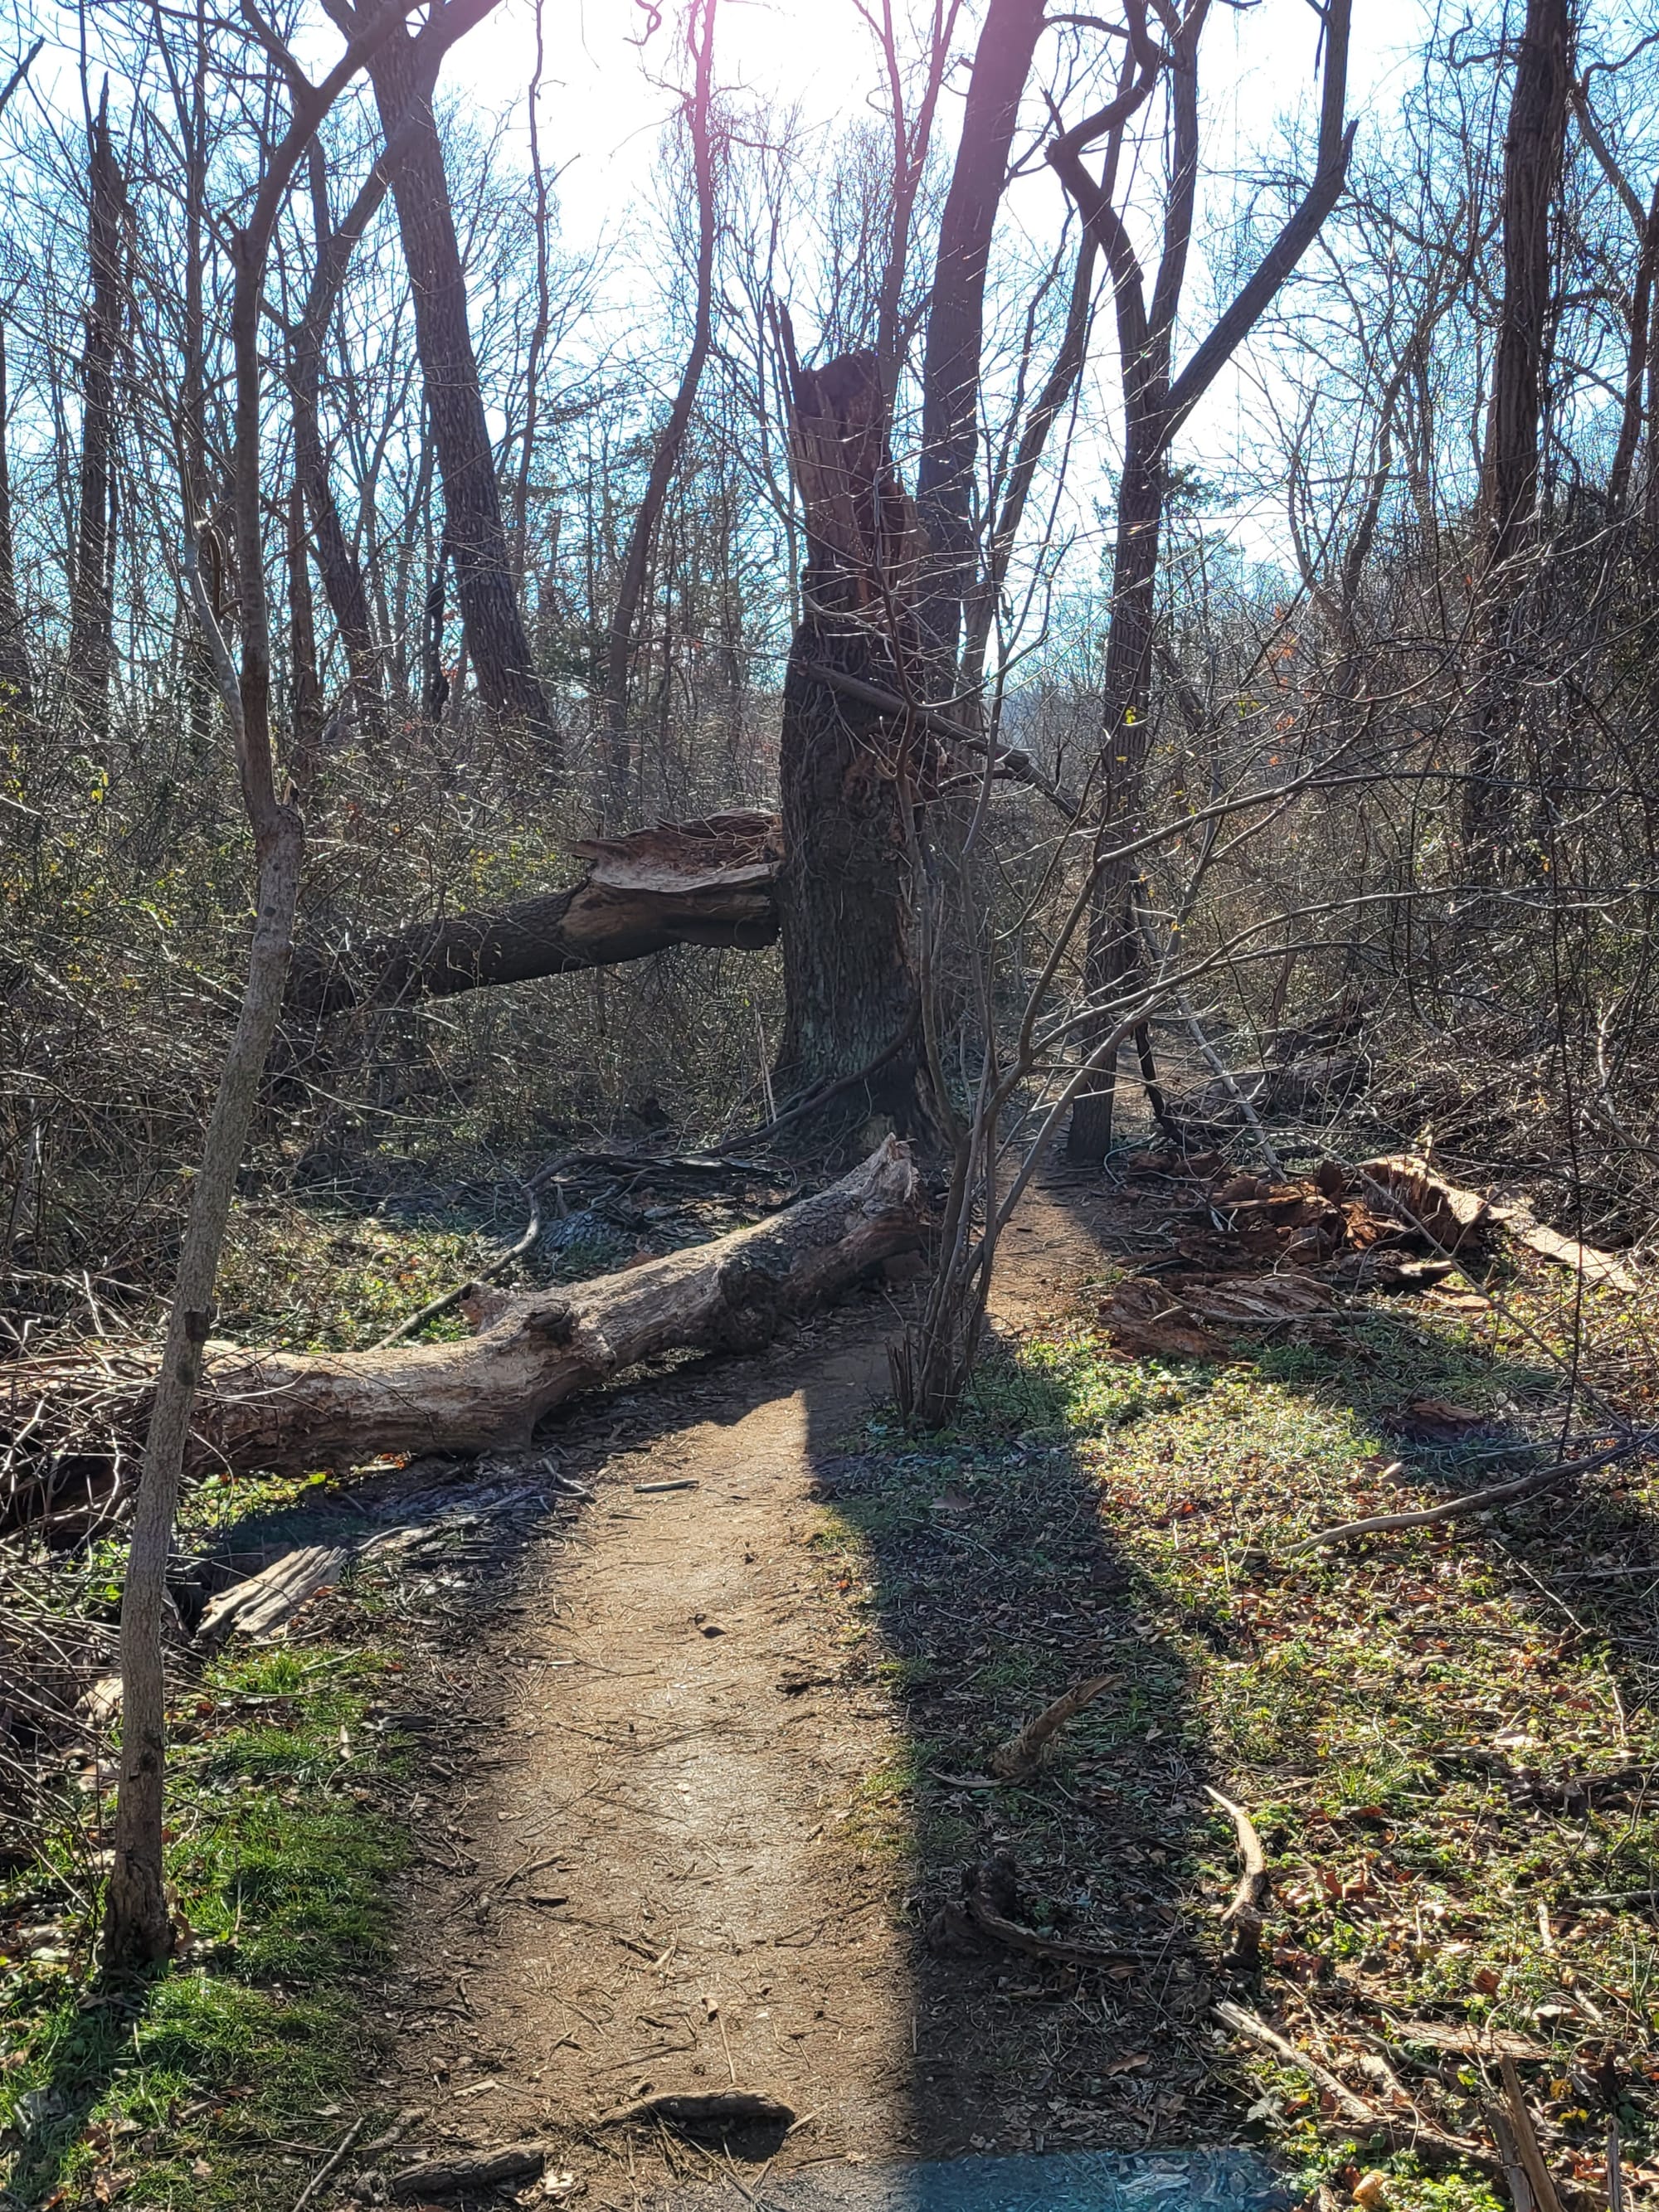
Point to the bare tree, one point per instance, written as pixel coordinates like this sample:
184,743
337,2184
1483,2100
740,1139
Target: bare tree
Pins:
1157,400
1534,149
91,644
137,1926
498,645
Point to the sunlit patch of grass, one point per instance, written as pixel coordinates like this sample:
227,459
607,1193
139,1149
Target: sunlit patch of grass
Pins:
1384,1710
281,1859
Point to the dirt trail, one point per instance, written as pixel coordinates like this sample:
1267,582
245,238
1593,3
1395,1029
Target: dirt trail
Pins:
678,1888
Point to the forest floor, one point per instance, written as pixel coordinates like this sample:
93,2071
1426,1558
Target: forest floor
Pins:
669,1788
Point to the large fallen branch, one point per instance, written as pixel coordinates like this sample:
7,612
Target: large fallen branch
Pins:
291,1411
708,881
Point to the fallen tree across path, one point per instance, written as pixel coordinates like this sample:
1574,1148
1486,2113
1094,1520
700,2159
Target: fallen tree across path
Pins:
287,1412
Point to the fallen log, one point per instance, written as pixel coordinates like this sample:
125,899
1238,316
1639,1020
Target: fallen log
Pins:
708,882
292,1412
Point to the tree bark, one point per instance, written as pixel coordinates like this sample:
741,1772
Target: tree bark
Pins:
1534,148
1157,402
16,677
852,774
497,643
711,882
956,319
289,1411
91,642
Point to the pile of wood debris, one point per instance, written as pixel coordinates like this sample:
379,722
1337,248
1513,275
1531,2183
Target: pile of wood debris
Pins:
1254,1253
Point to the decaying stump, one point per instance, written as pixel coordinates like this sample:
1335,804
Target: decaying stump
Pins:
708,882
284,1411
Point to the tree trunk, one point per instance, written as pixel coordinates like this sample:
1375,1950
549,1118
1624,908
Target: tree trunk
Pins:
497,643
137,1928
288,1410
1113,957
619,651
853,775
1534,148
710,882
336,564
17,677
307,716
1155,403
91,643
956,319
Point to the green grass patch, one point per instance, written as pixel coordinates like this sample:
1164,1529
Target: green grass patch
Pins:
1409,1720
283,1845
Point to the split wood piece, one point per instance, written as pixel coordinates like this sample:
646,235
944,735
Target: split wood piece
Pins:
1521,1222
99,1704
1472,2042
1450,1216
1402,2134
296,1411
720,2112
1478,1501
1526,2139
707,882
460,2176
1023,1752
266,1600
1249,1901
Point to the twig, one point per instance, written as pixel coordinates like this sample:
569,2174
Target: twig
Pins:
332,2162
1526,2140
1250,1898
1059,1948
1354,2110
1025,1750
498,1266
1476,1502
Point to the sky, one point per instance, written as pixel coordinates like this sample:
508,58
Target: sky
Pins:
605,109
603,118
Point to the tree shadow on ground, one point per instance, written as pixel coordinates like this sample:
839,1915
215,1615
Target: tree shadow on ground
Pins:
1447,1734
991,1584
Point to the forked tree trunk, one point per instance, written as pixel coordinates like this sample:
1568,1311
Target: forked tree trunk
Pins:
1157,402
946,472
293,1410
853,775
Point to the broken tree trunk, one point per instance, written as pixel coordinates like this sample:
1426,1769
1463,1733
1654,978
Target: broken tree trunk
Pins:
710,882
289,1411
853,773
